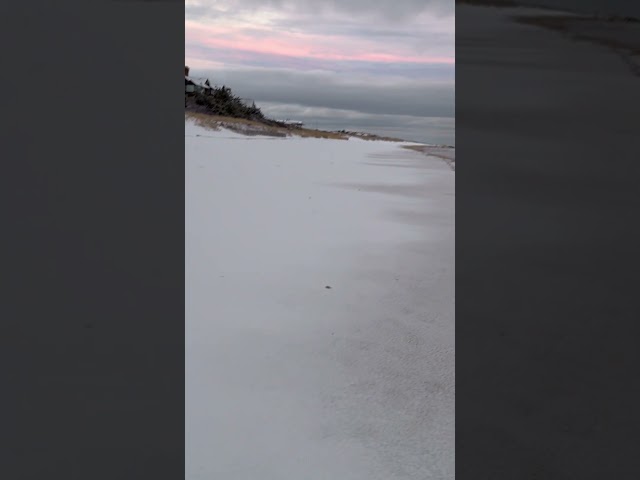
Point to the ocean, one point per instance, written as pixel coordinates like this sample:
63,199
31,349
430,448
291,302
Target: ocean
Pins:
434,131
429,130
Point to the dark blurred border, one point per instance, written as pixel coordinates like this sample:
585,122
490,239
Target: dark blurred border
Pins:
92,310
547,175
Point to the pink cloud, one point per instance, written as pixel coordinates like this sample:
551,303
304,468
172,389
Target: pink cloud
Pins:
295,45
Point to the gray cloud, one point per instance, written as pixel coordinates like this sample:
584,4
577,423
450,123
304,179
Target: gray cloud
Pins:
200,11
390,9
438,37
331,90
386,10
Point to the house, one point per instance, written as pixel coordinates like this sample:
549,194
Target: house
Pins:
189,86
203,85
293,123
196,85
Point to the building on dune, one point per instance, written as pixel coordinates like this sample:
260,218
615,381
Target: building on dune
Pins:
193,85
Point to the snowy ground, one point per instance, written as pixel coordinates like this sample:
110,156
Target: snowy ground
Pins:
287,379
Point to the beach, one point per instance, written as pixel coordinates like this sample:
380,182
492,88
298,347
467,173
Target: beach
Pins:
319,308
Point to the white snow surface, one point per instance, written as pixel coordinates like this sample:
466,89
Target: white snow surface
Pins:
285,378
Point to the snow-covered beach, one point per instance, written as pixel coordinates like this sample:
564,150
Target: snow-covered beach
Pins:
319,309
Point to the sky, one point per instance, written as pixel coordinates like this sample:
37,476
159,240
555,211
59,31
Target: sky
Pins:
384,66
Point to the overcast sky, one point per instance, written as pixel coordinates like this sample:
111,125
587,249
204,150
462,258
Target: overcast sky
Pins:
328,57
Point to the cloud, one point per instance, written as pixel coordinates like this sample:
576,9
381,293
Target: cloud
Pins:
363,93
261,42
200,56
380,59
327,28
389,11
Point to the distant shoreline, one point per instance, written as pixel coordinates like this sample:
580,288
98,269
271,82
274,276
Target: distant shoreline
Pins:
254,127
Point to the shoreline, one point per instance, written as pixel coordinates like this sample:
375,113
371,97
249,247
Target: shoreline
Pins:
443,153
255,127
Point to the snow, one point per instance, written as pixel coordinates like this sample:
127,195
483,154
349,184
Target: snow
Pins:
285,378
